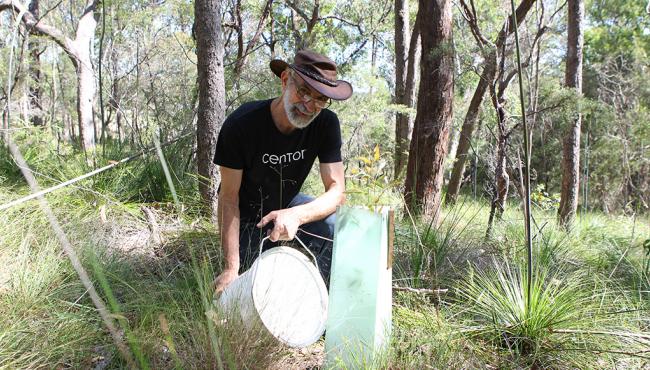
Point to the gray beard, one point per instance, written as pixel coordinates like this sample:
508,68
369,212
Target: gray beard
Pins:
295,119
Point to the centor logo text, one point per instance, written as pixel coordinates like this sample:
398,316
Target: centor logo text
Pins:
283,158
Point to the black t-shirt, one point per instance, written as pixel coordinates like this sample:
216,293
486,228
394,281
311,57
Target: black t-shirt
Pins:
274,164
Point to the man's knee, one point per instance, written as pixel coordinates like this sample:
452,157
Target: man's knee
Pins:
330,221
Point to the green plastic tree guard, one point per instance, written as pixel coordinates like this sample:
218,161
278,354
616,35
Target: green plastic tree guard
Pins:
360,302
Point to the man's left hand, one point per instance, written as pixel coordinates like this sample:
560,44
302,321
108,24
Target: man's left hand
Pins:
285,221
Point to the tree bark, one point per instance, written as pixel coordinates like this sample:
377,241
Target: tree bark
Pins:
36,109
571,144
434,114
401,120
404,122
115,101
306,40
501,177
212,97
412,75
85,97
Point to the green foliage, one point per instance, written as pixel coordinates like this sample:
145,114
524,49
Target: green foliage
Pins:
498,302
617,28
543,200
595,278
369,183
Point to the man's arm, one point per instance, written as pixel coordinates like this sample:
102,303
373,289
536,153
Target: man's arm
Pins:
287,221
228,218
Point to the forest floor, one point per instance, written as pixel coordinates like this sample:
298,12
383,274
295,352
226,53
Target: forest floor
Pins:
158,265
153,264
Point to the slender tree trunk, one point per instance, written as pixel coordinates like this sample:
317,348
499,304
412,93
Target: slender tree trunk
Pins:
242,53
471,118
487,78
212,100
85,75
36,109
571,145
412,76
434,114
135,113
5,126
502,179
115,100
401,52
404,122
85,96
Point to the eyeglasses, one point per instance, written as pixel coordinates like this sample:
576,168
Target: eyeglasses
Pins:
305,95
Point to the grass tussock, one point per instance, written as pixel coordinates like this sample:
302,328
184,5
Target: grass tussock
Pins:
508,317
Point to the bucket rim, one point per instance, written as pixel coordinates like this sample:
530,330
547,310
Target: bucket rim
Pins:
322,292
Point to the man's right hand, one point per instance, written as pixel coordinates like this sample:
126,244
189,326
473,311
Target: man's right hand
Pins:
224,279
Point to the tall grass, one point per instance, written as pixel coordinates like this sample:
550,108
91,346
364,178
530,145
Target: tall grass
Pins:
589,307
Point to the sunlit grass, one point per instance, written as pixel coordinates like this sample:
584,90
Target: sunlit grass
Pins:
497,301
589,308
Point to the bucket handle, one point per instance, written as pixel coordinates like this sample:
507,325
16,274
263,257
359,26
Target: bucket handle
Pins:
301,243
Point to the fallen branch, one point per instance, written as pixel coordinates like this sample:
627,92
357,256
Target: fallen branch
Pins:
419,291
599,351
89,174
596,332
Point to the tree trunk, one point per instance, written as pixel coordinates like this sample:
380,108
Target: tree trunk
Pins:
5,126
115,101
501,177
212,100
571,145
434,114
85,75
242,53
487,78
401,120
78,50
413,75
404,122
36,109
471,118
85,96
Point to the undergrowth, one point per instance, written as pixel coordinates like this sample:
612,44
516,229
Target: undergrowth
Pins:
154,262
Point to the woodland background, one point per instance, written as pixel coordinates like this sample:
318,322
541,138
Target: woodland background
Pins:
434,128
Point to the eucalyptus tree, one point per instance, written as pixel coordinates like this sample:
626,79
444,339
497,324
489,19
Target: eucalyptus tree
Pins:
428,149
212,101
489,50
78,51
35,93
571,146
406,63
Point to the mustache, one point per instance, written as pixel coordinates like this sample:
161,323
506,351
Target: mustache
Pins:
302,109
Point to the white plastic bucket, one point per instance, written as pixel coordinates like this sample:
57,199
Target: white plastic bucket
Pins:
282,292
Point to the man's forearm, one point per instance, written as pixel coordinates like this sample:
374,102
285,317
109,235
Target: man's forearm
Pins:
229,231
322,206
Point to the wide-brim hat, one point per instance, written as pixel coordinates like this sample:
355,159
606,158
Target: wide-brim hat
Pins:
318,71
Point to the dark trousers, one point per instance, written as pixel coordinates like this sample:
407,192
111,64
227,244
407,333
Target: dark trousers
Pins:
250,237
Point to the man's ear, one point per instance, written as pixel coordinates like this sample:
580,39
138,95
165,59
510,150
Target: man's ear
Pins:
284,77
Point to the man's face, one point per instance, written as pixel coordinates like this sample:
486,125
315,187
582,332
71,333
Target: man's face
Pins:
301,102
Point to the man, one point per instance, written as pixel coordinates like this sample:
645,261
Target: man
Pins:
265,151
